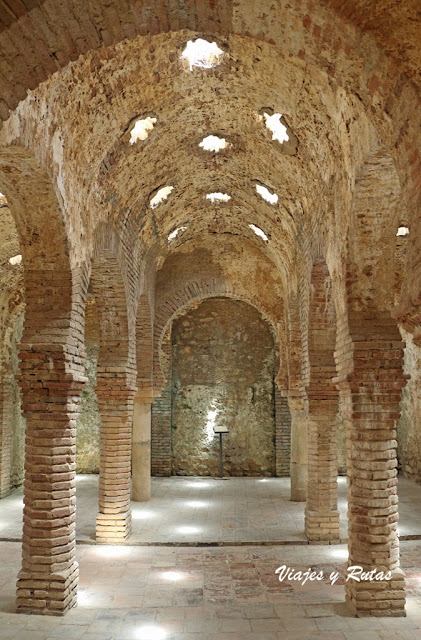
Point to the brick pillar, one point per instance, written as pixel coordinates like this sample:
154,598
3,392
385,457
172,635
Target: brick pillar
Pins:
115,403
161,433
162,419
372,408
321,513
6,412
50,396
297,403
282,435
51,378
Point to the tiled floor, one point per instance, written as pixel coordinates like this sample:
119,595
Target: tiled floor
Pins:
137,592
191,510
218,593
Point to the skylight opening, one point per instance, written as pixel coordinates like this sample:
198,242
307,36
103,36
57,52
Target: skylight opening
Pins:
213,143
142,129
269,196
175,233
259,232
276,127
218,196
202,53
15,260
161,195
402,232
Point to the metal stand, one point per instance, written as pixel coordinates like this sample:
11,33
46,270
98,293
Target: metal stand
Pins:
221,472
221,431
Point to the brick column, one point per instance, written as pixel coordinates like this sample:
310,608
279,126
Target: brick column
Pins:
50,395
282,435
115,403
161,433
141,454
297,403
162,419
51,378
6,412
373,394
321,513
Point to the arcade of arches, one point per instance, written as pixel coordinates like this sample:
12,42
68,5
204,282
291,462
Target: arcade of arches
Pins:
194,237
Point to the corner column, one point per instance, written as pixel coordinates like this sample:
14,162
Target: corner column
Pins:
141,450
297,402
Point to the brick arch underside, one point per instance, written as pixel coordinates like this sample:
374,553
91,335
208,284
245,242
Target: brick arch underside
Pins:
376,210
190,295
38,38
36,41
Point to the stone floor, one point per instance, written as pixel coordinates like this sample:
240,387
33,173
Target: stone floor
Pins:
138,592
217,593
207,510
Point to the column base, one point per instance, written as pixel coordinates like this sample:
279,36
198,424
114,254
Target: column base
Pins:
50,594
386,598
322,526
113,528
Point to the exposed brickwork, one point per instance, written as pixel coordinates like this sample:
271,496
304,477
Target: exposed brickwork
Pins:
374,348
161,418
282,436
89,424
115,389
161,433
78,194
321,515
186,279
51,379
144,346
6,439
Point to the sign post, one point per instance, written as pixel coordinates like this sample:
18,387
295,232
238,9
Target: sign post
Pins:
221,431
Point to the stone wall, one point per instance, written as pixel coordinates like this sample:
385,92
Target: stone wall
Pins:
409,425
223,368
